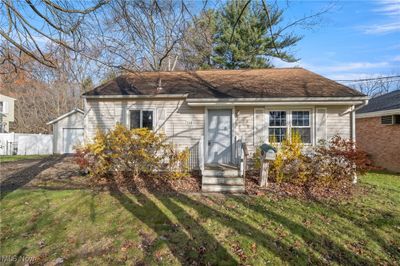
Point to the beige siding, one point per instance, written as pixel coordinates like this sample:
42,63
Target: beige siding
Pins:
338,124
182,124
245,125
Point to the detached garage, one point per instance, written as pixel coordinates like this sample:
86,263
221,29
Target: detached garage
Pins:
67,131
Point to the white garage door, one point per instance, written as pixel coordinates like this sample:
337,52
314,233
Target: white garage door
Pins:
71,138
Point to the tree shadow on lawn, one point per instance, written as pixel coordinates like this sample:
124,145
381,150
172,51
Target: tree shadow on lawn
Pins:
193,251
208,247
375,219
24,176
319,243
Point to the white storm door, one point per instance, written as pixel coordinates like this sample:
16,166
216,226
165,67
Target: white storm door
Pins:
219,135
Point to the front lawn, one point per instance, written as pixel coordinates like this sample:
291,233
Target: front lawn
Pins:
119,227
13,158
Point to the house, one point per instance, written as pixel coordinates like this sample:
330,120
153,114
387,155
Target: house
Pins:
67,131
378,130
215,112
6,113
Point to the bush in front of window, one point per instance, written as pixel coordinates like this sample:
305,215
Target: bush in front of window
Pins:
290,164
130,153
331,164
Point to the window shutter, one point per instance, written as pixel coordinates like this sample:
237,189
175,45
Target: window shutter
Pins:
321,121
160,116
260,123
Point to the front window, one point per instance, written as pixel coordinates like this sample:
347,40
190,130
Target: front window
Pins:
301,125
277,126
141,118
282,123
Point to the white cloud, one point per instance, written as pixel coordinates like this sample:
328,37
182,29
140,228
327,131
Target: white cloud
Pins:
390,10
389,7
352,76
351,66
396,58
382,28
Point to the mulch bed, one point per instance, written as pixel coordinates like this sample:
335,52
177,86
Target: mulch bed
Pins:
191,183
282,190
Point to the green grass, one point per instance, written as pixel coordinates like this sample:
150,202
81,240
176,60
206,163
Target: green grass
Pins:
13,158
91,228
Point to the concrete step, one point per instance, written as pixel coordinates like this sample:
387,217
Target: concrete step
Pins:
222,188
221,173
206,180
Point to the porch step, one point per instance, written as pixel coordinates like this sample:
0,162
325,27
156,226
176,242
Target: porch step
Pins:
206,180
223,188
220,173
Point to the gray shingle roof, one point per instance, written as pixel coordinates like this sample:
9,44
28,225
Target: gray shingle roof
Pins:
384,102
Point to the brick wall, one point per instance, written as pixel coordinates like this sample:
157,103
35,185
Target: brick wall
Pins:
382,142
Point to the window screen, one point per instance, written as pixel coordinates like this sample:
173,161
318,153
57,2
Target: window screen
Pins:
135,119
147,120
141,118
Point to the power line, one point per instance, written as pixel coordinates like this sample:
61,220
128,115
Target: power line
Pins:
368,79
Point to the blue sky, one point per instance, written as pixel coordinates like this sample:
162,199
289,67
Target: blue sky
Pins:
355,39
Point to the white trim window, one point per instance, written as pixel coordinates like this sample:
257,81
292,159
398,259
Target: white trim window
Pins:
140,118
301,124
277,128
282,123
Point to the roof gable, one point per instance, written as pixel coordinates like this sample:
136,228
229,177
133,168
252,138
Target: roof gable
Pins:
76,110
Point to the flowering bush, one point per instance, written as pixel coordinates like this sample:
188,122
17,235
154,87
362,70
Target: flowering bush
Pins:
131,153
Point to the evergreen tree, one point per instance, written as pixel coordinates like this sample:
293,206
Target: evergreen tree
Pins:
247,42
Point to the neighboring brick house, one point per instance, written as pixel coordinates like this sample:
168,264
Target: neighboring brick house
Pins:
378,130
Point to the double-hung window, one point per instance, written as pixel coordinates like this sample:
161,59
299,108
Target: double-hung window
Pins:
283,123
277,126
301,125
141,118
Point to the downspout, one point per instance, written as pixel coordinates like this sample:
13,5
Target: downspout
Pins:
353,128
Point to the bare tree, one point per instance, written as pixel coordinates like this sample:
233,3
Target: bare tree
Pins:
376,86
139,35
25,25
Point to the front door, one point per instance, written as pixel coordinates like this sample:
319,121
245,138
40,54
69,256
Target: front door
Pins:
219,136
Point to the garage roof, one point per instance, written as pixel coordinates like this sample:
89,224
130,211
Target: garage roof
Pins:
65,115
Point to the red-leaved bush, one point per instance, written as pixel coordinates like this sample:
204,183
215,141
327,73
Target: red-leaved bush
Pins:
332,164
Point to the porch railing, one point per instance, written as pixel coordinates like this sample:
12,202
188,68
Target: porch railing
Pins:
242,154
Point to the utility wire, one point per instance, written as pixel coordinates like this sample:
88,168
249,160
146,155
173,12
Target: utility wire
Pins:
368,79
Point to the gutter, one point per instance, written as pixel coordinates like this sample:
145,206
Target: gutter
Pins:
379,113
364,103
147,96
272,103
277,99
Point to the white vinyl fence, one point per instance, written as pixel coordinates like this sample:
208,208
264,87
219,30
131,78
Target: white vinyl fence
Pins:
25,144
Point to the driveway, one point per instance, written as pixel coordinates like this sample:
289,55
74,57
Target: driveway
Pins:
53,172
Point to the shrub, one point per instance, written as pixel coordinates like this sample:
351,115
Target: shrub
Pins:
328,165
290,163
131,153
337,162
